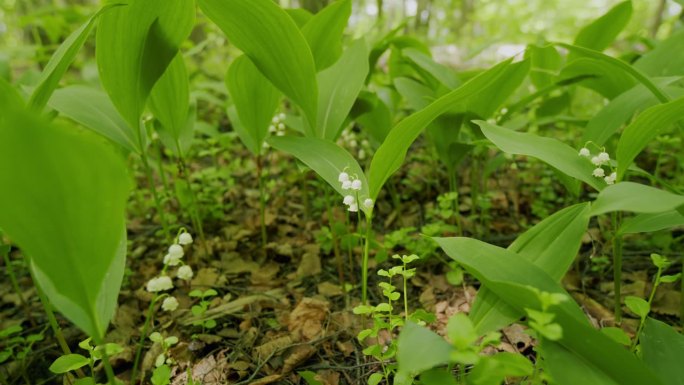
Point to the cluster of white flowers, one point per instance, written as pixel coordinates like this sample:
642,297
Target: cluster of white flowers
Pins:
172,258
600,160
354,184
348,139
277,125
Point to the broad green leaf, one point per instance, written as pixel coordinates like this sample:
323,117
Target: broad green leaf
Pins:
437,377
600,33
601,76
255,99
170,102
377,121
392,152
662,350
68,362
442,73
9,96
551,245
487,102
327,159
646,223
621,109
511,277
61,60
338,87
666,59
274,43
419,349
644,129
300,15
545,62
324,32
568,369
92,108
621,66
636,198
417,95
246,136
66,211
493,370
135,44
557,154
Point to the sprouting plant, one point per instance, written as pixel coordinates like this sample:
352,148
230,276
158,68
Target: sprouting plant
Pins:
386,323
72,362
162,372
201,308
17,347
642,307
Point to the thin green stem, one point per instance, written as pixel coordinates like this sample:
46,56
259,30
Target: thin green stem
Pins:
333,233
153,190
194,209
262,202
617,266
406,313
13,280
656,282
111,378
364,263
143,335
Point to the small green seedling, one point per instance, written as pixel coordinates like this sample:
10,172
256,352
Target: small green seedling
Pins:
201,308
71,362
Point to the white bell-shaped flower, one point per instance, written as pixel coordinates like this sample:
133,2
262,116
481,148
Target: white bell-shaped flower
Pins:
584,152
354,207
343,177
368,203
176,251
185,273
598,172
170,304
356,184
158,284
349,199
185,239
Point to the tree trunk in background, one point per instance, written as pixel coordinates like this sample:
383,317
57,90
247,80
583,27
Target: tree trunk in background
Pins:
313,6
379,4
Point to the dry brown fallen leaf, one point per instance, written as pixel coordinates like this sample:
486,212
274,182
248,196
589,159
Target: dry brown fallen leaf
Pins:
267,380
307,318
296,357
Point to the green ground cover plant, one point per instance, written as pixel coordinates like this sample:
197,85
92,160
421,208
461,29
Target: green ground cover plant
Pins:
209,192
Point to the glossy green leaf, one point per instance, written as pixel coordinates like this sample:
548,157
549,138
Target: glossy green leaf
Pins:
377,121
417,95
93,109
246,85
419,349
442,73
646,223
491,97
135,44
666,59
622,108
68,362
392,152
437,377
61,60
300,15
619,65
644,129
9,96
549,150
545,61
601,76
511,277
338,87
274,43
326,158
170,102
66,211
324,32
662,350
636,198
551,245
568,369
600,33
